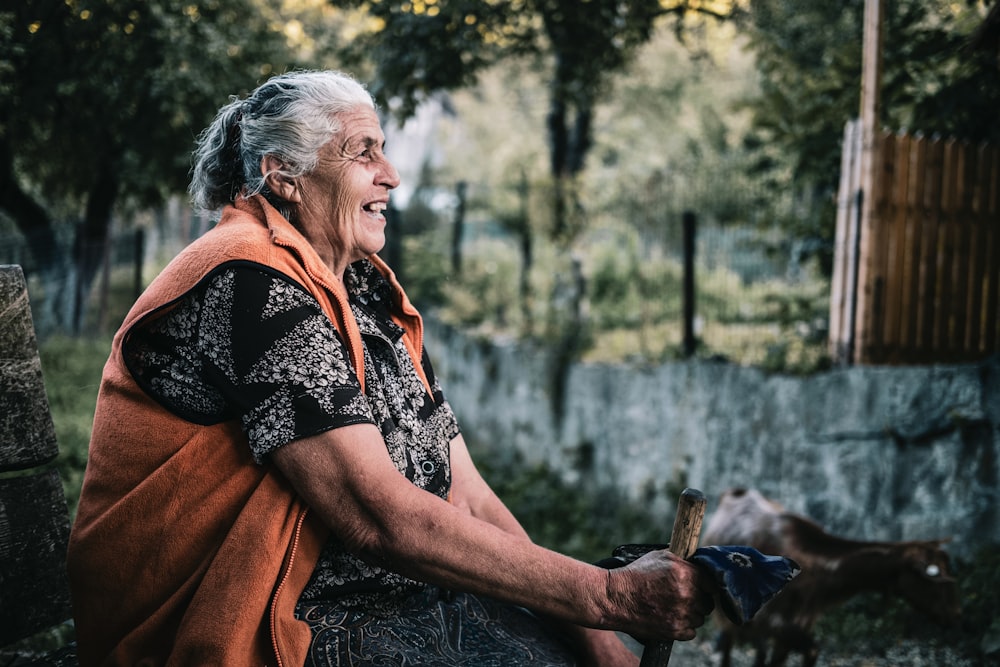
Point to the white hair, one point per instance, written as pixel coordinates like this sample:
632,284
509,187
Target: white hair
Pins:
290,116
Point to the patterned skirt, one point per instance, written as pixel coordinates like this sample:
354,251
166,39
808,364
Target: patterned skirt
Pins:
434,629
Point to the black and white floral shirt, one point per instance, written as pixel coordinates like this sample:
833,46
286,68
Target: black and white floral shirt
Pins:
250,343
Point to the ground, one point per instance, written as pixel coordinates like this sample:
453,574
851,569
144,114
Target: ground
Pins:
701,653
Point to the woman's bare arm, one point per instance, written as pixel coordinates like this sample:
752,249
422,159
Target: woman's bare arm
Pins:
471,492
347,477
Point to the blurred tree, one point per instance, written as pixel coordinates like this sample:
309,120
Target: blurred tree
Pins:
808,55
100,102
419,47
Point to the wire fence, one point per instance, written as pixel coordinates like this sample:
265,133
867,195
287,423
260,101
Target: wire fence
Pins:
742,287
755,294
63,300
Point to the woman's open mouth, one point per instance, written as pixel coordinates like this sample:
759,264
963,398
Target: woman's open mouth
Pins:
375,208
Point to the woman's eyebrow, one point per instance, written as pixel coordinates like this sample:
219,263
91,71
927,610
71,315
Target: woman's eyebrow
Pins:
365,142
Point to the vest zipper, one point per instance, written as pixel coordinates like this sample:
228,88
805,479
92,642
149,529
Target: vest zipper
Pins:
281,584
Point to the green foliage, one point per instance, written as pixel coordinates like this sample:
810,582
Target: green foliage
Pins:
585,524
809,56
417,50
123,86
979,585
934,82
877,622
486,290
668,142
425,268
102,102
632,300
421,48
71,368
770,324
49,647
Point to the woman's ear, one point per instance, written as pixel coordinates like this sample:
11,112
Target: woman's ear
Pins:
281,185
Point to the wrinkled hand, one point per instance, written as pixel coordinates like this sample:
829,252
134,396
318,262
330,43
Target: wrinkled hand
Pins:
659,597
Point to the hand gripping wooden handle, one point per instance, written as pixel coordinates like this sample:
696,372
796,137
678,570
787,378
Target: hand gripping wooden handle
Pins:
683,542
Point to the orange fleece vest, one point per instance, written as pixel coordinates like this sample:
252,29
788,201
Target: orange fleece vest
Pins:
184,551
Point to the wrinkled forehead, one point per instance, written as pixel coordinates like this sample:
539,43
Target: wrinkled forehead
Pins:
359,126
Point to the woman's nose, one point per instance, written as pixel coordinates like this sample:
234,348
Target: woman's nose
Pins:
387,175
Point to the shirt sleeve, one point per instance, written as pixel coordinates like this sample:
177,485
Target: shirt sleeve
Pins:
248,343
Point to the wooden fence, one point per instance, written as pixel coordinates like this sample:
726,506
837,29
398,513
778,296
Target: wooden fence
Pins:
917,264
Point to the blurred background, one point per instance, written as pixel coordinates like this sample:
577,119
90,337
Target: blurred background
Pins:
640,187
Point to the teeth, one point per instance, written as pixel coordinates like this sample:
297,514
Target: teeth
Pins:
376,207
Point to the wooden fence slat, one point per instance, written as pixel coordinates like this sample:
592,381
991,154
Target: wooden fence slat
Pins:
945,251
865,285
886,184
877,257
911,255
928,260
991,214
930,214
962,228
895,223
845,245
854,235
976,275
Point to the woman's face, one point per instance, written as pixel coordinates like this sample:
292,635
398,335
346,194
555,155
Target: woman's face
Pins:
344,197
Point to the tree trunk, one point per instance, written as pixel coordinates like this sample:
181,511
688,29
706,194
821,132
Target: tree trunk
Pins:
527,256
31,219
558,139
36,225
581,136
92,237
568,146
458,228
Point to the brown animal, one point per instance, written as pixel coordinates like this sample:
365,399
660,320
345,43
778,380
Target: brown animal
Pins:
834,570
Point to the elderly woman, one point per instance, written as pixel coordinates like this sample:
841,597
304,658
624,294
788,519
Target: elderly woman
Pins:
275,476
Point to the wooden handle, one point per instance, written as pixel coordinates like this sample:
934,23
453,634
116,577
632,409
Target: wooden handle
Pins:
683,542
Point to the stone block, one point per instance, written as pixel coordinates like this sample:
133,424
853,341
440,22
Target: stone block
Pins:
27,435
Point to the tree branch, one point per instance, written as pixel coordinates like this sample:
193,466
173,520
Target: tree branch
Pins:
31,219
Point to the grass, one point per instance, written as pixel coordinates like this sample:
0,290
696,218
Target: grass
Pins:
71,368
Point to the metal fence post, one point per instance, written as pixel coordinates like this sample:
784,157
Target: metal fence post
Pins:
690,225
140,254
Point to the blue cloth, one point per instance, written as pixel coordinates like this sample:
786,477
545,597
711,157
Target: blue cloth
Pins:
745,577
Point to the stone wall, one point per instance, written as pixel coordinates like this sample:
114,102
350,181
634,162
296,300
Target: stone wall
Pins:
871,452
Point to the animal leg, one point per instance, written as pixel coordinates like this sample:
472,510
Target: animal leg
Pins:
779,655
760,651
724,644
810,656
798,640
